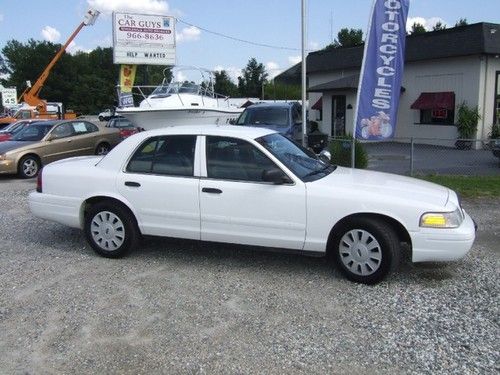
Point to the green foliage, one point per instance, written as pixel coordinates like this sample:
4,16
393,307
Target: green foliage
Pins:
461,22
417,28
495,131
439,26
282,91
469,186
347,38
340,148
253,77
223,84
467,120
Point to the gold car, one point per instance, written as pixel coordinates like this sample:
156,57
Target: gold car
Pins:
44,142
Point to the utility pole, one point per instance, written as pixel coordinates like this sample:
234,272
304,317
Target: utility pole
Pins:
304,81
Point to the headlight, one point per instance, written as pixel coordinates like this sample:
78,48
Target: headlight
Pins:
442,219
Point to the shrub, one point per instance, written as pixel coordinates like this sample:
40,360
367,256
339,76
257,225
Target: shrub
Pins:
340,148
467,121
495,131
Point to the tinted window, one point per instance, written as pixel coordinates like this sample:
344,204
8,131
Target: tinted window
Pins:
171,155
264,116
91,128
235,159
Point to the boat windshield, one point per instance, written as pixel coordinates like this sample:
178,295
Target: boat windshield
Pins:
176,88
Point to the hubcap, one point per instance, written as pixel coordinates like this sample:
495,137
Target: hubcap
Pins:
107,231
360,252
30,167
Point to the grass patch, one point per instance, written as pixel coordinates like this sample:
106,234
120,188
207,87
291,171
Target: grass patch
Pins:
469,186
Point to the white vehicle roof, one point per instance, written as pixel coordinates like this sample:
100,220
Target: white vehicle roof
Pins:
220,130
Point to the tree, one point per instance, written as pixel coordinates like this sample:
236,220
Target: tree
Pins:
347,38
461,22
252,80
282,91
439,26
417,28
223,84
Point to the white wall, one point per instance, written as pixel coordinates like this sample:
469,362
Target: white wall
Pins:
489,66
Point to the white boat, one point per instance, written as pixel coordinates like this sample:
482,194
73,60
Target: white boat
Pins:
183,102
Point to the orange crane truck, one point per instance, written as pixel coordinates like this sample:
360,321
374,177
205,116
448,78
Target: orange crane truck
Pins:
33,107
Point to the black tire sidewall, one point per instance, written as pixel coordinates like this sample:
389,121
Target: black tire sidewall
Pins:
385,236
131,231
108,147
21,169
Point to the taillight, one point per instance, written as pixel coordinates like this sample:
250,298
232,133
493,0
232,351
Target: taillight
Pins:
39,181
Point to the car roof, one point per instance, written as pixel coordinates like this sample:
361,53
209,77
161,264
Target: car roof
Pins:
273,105
219,130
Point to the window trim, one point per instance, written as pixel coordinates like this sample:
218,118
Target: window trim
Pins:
126,164
262,150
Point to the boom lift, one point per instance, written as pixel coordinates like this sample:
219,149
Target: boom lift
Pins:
33,106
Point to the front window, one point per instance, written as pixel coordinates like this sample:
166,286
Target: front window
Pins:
264,116
302,162
32,133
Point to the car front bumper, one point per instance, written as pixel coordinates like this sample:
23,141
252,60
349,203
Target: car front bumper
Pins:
440,245
8,166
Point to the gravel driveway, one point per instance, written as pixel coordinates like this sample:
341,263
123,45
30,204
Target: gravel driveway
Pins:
182,307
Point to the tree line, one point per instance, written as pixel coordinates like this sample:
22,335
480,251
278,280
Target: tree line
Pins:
86,82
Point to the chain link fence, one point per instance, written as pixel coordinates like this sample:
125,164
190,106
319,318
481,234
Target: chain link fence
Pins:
420,156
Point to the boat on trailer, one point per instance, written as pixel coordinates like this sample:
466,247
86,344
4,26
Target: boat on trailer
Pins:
178,102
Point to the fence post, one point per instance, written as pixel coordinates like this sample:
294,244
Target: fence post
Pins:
411,156
353,153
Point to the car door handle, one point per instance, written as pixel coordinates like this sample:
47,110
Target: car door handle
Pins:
132,184
211,190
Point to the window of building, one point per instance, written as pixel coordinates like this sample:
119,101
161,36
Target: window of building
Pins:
436,108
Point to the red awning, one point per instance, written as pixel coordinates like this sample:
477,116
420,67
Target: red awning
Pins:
435,100
318,105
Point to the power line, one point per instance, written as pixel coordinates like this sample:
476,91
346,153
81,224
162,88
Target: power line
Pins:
239,39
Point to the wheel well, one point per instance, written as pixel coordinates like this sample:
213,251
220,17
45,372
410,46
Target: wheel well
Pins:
400,230
101,199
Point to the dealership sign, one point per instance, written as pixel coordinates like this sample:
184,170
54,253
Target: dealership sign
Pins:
382,71
9,97
143,39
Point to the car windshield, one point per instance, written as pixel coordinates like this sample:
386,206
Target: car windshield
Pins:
302,162
33,133
122,123
264,116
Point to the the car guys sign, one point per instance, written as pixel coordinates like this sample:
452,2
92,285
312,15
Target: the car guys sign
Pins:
382,70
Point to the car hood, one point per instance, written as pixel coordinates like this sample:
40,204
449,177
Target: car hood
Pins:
13,145
386,184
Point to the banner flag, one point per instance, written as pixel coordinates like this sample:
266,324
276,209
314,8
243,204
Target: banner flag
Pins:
127,77
382,71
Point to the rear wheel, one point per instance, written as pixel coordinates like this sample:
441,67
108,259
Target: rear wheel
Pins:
29,166
366,250
111,230
102,149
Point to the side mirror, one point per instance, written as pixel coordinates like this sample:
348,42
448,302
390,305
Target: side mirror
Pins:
325,156
276,176
50,138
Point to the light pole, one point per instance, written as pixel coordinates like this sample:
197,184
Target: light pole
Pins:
304,82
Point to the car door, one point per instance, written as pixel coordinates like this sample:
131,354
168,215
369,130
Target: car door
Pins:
83,139
59,143
237,206
161,182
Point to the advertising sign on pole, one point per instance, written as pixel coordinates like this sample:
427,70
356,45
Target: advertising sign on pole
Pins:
382,70
143,39
9,97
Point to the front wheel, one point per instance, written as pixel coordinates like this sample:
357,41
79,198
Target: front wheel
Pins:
28,167
366,250
111,230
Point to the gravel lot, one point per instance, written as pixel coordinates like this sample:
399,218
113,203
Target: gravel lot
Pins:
182,307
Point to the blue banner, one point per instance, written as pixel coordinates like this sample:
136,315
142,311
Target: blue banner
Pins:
382,70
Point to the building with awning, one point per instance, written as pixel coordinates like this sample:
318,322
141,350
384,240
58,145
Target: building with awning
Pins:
442,69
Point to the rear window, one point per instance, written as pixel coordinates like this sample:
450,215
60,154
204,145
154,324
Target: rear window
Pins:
264,116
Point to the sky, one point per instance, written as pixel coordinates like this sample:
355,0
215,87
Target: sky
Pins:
275,23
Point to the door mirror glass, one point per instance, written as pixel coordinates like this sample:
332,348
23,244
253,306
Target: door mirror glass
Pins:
325,156
276,176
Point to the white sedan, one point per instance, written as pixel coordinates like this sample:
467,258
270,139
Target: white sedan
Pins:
255,187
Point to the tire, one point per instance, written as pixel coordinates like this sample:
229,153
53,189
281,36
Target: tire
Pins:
366,250
101,118
28,166
102,148
111,230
